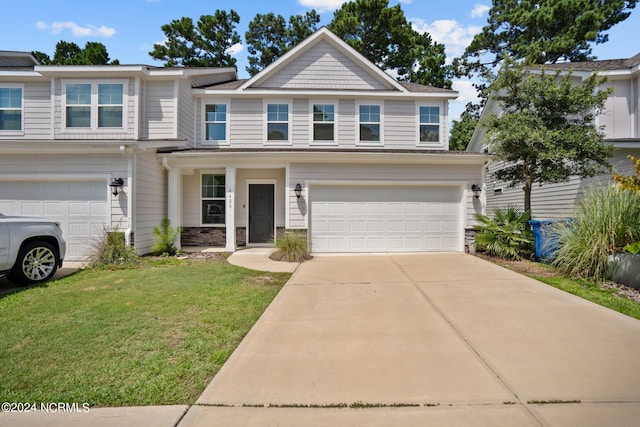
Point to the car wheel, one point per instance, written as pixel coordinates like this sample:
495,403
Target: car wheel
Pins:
37,262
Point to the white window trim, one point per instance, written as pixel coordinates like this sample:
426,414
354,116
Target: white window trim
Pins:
313,141
370,143
265,122
21,131
203,127
94,106
223,198
432,144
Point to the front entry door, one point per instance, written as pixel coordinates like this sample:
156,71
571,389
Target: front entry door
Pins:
261,213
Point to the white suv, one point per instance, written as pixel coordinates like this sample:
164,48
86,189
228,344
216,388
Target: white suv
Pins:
31,249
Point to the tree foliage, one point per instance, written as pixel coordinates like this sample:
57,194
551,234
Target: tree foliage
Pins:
384,36
269,37
69,53
543,31
630,182
204,44
545,131
462,130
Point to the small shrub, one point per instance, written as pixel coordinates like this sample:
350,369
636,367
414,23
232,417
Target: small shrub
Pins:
506,235
165,236
110,251
292,247
606,220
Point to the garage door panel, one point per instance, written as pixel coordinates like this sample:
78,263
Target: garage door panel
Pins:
385,218
81,207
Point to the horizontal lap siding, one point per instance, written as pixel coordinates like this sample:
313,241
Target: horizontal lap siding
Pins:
37,110
424,174
246,123
551,201
241,204
191,196
400,129
300,126
151,199
186,111
160,110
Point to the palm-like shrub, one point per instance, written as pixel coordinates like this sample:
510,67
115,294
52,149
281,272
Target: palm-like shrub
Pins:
292,247
506,235
165,236
604,222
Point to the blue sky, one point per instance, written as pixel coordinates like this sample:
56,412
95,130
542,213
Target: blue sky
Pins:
129,28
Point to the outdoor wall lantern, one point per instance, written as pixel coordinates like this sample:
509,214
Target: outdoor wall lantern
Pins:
298,190
476,190
115,184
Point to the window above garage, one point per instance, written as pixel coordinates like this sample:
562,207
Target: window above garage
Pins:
11,107
94,105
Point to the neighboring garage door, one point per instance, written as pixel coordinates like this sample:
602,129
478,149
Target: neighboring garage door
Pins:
385,218
81,207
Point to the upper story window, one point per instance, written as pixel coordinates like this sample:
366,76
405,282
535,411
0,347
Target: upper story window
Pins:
370,122
213,199
216,122
277,122
94,105
323,122
10,108
429,123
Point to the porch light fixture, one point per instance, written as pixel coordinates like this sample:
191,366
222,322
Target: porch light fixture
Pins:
115,184
476,190
298,190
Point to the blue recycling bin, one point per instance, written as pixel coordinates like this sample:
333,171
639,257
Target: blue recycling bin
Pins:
545,238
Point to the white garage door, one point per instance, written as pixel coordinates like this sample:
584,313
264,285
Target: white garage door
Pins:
80,206
385,218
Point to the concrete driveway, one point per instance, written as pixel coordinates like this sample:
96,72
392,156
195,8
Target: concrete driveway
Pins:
468,342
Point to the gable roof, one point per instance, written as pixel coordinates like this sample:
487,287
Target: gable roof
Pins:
323,34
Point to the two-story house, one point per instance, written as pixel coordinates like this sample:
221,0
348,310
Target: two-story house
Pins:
321,141
619,121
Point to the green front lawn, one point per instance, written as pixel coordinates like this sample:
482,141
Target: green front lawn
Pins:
154,335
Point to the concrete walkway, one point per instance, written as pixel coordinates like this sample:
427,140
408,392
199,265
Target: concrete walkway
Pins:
437,339
258,259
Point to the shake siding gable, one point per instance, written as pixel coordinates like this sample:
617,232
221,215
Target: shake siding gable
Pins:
322,67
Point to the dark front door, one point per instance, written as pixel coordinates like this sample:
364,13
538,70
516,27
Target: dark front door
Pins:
261,213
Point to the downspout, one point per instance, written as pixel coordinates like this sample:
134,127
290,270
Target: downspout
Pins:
129,232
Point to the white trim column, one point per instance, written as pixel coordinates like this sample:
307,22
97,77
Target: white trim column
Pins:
174,198
230,214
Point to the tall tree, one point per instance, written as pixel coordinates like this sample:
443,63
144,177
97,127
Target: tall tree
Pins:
204,44
543,31
538,31
269,37
462,130
383,35
69,53
545,131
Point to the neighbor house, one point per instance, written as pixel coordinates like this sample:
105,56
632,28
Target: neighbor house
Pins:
321,141
619,121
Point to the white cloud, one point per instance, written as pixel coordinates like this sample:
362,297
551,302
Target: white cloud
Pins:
235,49
467,93
479,10
76,30
404,1
455,36
322,5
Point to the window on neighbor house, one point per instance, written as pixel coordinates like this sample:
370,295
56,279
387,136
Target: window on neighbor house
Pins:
213,199
216,122
94,105
323,122
369,119
10,108
429,124
277,122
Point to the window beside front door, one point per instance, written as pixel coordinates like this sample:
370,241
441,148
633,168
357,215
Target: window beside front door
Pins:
213,199
10,108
